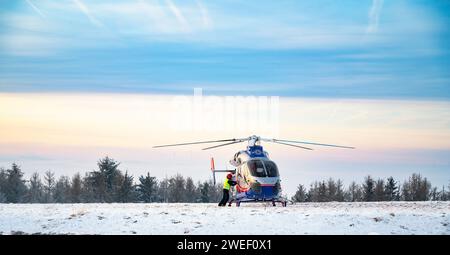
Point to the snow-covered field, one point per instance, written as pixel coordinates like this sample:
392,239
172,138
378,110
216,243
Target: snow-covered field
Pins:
307,218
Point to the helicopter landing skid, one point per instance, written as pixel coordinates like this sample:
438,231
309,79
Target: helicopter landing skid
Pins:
238,202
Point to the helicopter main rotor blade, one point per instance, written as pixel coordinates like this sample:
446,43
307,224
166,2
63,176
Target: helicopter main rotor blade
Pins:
310,143
298,146
220,145
215,141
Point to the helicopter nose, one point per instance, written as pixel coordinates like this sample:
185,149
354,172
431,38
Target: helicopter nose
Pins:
256,187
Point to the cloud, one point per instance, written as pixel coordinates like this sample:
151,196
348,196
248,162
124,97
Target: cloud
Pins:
191,23
205,14
35,8
374,16
83,8
179,15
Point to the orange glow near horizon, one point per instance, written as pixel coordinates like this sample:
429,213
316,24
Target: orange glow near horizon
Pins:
141,121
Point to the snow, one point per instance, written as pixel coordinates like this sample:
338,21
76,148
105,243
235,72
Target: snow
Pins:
305,218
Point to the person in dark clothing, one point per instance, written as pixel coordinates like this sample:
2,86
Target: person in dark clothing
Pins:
226,189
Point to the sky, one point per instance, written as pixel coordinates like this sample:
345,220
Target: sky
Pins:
82,79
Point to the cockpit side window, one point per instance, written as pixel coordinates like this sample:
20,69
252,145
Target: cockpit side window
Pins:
271,168
256,168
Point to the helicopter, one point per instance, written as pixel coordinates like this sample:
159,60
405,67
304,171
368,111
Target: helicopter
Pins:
257,176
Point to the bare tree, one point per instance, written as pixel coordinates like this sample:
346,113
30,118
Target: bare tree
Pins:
354,192
416,188
378,191
35,191
76,189
177,188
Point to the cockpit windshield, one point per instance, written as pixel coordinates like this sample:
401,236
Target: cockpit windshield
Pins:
256,168
271,168
259,168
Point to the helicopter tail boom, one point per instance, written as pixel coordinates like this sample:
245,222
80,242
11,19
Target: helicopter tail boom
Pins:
214,171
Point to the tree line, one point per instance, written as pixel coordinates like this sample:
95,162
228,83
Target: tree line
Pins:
415,188
107,184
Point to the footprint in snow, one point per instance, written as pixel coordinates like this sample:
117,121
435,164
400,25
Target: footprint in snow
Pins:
377,219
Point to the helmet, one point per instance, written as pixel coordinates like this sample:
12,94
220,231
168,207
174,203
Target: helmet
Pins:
229,176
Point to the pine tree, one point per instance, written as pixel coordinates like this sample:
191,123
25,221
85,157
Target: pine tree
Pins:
89,188
108,179
205,190
3,185
331,190
190,193
368,189
15,186
313,192
126,192
3,198
300,194
391,189
217,191
62,190
322,192
147,188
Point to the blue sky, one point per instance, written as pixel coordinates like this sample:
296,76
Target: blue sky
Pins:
343,49
82,79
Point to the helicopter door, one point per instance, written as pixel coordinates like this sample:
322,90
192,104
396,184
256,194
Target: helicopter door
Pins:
243,178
